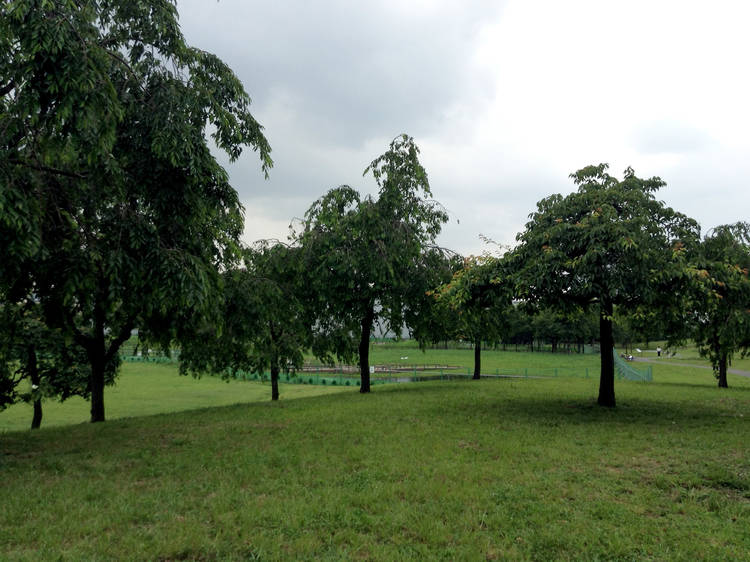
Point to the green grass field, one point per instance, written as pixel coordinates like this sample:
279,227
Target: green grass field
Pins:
521,469
154,388
145,389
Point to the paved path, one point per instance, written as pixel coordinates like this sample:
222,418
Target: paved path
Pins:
733,371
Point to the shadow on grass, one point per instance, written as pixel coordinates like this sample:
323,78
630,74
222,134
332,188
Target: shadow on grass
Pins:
491,403
653,408
704,386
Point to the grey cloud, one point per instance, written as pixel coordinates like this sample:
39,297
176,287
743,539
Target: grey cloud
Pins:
352,70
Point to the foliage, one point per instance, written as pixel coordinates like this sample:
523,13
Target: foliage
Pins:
428,320
554,327
36,362
722,303
262,322
115,214
480,293
362,255
609,244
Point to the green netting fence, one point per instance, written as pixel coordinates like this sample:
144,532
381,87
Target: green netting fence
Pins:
625,370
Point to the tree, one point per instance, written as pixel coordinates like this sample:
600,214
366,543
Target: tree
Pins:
115,214
361,253
429,320
261,322
32,353
722,302
481,295
609,244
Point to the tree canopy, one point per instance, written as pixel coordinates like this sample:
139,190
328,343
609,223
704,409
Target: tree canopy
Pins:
722,301
609,243
115,213
362,253
481,294
261,322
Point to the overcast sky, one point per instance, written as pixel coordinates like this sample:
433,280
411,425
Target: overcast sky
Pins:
504,99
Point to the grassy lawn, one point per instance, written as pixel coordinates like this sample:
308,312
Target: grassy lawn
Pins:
410,355
688,355
148,388
496,469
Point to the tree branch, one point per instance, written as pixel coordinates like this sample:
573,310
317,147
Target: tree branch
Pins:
48,169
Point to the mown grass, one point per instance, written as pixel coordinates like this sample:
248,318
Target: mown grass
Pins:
144,389
152,388
495,469
410,355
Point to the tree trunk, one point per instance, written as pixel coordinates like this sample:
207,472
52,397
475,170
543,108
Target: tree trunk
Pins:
477,358
274,380
606,341
33,366
97,389
100,355
364,350
723,372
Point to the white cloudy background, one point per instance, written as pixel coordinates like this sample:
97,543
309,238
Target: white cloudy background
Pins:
505,99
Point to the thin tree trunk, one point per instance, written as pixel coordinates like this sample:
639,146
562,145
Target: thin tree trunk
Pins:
477,358
723,372
33,366
274,381
606,339
97,390
364,350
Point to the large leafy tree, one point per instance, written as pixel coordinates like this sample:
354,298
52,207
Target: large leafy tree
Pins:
114,214
722,303
481,294
261,323
610,243
362,253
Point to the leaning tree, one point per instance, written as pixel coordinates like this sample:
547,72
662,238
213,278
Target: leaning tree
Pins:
610,243
362,254
115,215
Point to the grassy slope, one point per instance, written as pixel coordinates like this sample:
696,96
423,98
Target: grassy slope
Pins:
148,388
524,469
